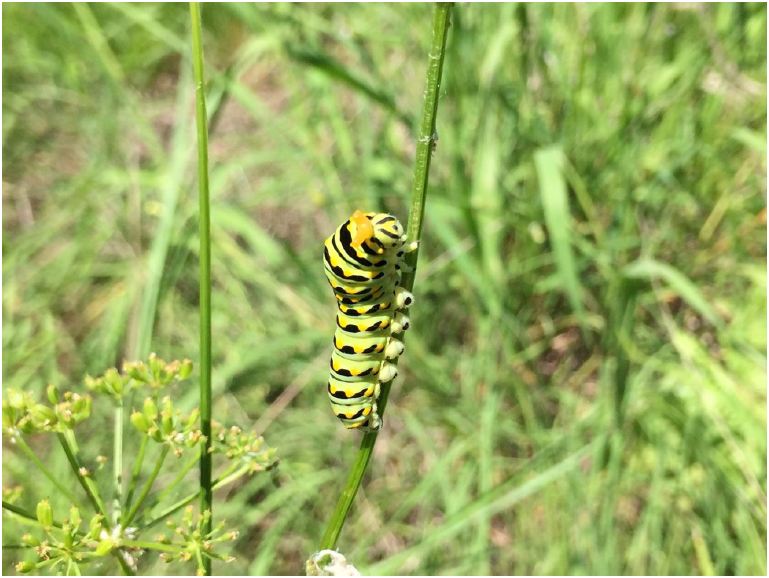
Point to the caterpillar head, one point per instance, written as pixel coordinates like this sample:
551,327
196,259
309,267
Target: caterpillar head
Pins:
383,231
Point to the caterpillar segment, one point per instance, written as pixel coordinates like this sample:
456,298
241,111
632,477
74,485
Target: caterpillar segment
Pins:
363,261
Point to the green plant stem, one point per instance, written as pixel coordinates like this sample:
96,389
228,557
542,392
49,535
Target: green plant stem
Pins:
425,145
86,482
117,461
206,492
165,492
137,470
29,452
221,481
230,476
144,545
173,508
202,562
146,488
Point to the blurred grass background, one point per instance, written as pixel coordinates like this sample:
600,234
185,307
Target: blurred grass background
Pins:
584,389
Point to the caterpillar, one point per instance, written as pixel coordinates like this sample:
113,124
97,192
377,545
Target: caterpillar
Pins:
363,261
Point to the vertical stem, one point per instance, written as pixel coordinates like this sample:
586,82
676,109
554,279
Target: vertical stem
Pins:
425,145
206,494
117,461
428,137
136,471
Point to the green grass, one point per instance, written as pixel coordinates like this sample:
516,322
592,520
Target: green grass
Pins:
584,385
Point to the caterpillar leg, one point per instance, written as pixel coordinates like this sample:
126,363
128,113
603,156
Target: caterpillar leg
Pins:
402,266
374,422
403,298
388,372
408,247
400,323
394,349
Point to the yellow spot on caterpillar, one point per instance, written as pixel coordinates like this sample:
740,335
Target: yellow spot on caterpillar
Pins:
364,230
367,411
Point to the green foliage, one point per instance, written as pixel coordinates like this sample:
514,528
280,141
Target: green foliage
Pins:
524,436
62,547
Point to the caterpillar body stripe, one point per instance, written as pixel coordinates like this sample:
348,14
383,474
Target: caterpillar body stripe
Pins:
363,261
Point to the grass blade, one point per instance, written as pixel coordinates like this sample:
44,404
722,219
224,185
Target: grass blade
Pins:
504,496
651,269
338,71
555,203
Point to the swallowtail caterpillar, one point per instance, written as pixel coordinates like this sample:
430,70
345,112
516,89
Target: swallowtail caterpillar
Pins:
364,259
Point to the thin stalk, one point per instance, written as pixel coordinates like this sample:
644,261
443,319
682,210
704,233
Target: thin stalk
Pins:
117,461
206,492
29,452
165,492
173,508
230,476
144,545
86,482
146,489
202,563
136,471
425,145
221,481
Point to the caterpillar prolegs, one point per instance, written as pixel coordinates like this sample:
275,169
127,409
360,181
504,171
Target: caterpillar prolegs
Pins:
363,261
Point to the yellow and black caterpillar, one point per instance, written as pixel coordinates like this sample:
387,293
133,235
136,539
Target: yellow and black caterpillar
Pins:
363,261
